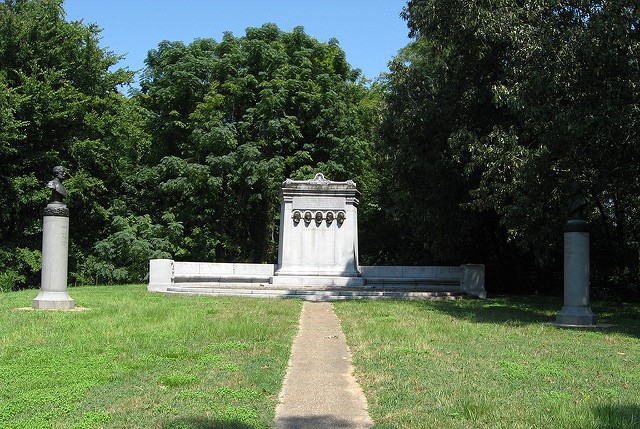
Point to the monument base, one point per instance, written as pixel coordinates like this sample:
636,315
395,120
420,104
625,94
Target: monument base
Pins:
318,281
48,300
576,316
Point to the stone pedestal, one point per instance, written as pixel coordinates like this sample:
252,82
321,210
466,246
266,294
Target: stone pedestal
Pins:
55,254
577,309
318,229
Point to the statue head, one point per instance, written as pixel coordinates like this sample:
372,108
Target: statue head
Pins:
58,191
58,171
577,202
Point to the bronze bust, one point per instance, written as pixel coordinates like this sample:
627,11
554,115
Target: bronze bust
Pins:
58,191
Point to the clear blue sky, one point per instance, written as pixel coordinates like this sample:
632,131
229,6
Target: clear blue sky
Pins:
369,31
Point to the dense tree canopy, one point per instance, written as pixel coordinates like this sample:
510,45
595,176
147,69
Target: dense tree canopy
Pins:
232,119
59,105
190,165
464,152
501,106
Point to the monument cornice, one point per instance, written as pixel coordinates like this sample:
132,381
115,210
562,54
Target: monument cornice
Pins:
56,210
319,186
318,182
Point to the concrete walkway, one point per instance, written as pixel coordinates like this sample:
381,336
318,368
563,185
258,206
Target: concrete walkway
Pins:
319,390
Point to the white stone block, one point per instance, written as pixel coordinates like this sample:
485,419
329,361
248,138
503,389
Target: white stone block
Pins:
318,228
210,268
186,268
160,275
254,269
317,281
450,273
420,272
381,271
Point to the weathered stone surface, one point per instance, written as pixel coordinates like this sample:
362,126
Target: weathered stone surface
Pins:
160,275
380,271
320,281
318,228
472,280
468,278
55,255
576,310
48,300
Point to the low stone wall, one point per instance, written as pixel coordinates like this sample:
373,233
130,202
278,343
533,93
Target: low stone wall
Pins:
382,274
194,272
164,273
468,278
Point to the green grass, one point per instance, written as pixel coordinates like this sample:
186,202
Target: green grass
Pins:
494,364
143,360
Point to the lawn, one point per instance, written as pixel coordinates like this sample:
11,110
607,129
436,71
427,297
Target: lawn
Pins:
140,360
494,364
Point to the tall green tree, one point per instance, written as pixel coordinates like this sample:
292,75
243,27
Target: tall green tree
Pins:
507,103
60,104
233,119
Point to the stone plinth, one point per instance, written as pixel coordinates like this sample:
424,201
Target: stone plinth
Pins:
55,254
577,309
318,229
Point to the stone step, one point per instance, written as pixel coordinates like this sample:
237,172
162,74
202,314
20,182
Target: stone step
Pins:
422,287
315,294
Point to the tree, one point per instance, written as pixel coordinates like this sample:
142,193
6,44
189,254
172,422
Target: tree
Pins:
233,119
60,104
509,103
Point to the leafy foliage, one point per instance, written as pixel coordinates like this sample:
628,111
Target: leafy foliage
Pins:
124,254
60,105
464,152
506,105
232,120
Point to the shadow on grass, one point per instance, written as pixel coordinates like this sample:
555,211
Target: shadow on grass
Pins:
311,422
526,310
518,310
625,416
205,423
295,422
624,316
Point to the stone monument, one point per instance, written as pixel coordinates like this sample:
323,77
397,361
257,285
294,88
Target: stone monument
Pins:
577,309
318,233
317,258
55,249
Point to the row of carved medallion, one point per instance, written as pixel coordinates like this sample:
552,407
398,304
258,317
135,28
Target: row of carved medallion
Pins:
319,217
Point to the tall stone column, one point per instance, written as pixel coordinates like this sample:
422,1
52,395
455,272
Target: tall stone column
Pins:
55,250
577,309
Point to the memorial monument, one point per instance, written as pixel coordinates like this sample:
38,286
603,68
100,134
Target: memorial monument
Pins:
317,258
577,310
319,233
55,249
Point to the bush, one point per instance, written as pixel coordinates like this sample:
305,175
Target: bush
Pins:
124,255
21,268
